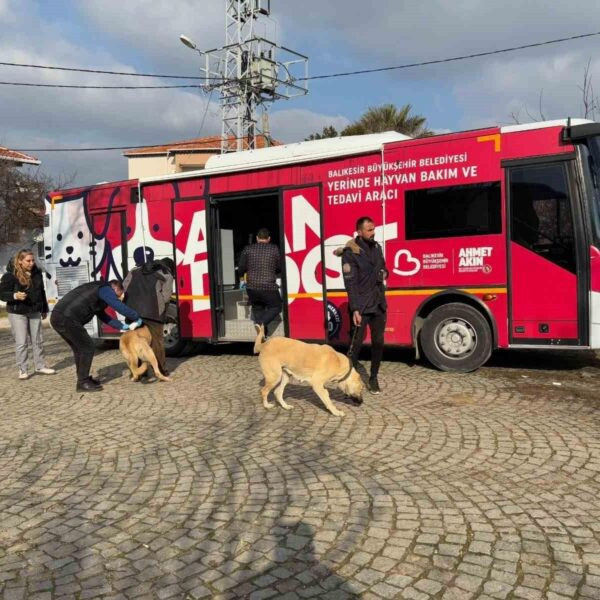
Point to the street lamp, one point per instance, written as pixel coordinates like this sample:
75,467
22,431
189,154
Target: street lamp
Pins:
188,42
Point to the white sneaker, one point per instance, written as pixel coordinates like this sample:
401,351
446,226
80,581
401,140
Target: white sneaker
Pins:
46,371
23,375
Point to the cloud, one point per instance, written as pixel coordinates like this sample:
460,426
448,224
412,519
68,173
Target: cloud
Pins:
339,35
293,125
152,29
529,89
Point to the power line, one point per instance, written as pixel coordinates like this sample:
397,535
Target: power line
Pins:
312,78
455,58
98,71
101,87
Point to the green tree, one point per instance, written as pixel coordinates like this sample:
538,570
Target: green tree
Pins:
389,117
329,131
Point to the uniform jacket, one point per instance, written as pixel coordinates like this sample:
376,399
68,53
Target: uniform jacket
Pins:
364,271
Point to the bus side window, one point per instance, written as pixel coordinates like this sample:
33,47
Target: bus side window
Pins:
453,211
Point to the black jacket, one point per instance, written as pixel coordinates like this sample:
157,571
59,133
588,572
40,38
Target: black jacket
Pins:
364,271
148,290
83,303
36,295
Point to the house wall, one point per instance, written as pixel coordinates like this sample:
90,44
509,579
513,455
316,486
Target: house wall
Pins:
150,166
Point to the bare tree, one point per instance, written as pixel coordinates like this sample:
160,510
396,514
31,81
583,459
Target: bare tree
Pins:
589,99
22,194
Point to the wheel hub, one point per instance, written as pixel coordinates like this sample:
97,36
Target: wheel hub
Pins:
455,338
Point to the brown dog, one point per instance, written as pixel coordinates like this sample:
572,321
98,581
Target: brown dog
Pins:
135,347
317,364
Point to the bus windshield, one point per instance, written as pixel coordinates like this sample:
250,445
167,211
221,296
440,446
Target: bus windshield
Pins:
591,156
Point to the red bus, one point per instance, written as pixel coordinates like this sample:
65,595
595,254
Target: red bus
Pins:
491,237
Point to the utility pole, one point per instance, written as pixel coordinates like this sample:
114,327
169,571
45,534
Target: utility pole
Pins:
250,71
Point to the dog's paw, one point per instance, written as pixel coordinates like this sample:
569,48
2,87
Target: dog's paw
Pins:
268,405
287,407
338,413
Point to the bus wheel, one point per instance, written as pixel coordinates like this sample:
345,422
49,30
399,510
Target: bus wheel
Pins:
456,337
174,345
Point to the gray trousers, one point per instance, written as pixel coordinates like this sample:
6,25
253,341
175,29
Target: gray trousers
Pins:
28,328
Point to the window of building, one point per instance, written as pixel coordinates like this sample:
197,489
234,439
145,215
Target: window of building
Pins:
453,211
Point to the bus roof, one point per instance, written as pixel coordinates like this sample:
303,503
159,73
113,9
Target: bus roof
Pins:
289,153
542,125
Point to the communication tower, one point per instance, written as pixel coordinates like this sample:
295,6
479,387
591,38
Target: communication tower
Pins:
250,71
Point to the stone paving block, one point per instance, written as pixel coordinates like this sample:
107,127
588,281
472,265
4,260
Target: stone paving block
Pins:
191,489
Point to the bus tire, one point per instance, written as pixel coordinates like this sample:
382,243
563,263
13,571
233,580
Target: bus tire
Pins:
456,337
174,345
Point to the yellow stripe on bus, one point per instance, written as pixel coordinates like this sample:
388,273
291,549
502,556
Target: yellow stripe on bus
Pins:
427,292
193,297
319,295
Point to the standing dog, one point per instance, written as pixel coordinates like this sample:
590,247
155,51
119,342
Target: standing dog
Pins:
135,346
317,364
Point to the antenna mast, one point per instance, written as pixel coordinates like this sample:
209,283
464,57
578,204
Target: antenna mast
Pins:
250,71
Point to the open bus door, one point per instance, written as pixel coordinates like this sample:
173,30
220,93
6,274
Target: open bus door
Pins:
192,280
548,266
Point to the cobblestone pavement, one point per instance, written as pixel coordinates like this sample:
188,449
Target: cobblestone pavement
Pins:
448,486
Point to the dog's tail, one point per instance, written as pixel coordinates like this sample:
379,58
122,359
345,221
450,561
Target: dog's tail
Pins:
260,338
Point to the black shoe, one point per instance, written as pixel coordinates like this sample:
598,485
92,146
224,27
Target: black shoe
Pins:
94,380
88,386
374,385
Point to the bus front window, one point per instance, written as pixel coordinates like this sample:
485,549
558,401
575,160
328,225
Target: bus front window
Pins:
591,159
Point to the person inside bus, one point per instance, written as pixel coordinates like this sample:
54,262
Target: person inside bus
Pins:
148,291
77,308
364,271
22,288
260,263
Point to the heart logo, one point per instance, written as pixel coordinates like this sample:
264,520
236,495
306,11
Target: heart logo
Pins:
405,264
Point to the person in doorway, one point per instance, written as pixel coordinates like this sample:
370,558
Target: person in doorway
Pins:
261,263
148,291
79,307
364,271
22,288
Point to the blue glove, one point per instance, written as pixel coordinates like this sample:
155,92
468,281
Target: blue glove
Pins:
124,327
135,325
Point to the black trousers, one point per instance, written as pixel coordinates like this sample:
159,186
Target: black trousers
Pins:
79,341
376,323
266,305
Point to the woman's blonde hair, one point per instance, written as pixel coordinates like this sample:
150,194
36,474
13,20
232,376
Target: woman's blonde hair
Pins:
21,274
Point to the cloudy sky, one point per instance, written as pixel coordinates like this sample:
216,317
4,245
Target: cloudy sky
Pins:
337,35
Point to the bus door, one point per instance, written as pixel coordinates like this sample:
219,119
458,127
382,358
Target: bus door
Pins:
546,253
192,280
304,289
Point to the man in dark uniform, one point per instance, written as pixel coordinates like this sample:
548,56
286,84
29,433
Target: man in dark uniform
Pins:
148,291
261,262
79,307
364,271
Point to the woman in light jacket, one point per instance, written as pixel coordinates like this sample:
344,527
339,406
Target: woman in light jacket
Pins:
22,288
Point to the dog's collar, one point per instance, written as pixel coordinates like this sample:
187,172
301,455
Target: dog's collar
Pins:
347,373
